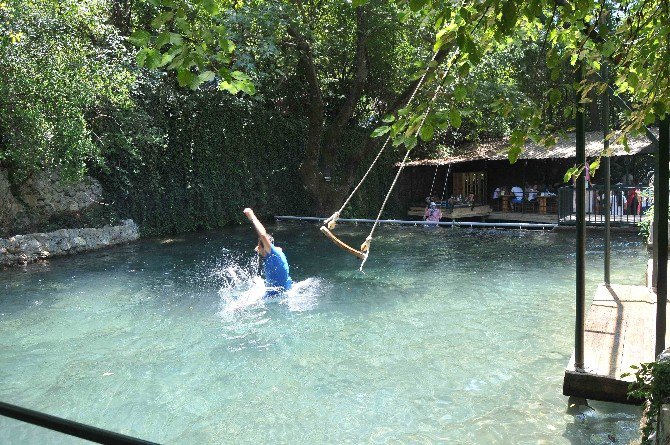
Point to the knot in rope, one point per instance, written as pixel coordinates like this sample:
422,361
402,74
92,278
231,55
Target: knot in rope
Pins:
332,221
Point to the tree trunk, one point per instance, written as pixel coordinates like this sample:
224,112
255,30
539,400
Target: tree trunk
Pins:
121,16
323,142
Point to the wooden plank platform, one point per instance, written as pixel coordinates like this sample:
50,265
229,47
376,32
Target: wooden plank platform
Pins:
620,331
524,217
456,213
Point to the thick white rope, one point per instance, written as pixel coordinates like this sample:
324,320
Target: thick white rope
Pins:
444,189
333,218
430,195
366,245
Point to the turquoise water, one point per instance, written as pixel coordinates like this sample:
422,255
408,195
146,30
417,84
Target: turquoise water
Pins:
450,336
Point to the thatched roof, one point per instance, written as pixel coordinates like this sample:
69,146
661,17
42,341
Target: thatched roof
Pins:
564,148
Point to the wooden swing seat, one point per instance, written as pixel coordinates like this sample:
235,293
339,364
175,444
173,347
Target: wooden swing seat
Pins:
341,244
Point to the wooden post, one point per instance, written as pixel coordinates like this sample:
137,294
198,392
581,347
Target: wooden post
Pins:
661,217
580,189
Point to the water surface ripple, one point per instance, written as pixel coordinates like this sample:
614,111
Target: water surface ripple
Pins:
451,336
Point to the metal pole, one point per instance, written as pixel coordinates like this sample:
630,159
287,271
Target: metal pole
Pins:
661,217
608,185
69,427
580,189
654,228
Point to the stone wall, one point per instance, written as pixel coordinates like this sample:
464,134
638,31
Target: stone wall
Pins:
22,249
40,197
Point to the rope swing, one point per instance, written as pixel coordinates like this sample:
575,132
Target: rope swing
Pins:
331,222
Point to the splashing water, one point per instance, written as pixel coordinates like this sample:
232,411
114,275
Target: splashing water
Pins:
243,288
241,285
303,295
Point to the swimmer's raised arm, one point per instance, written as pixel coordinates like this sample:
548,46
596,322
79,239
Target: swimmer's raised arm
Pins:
263,236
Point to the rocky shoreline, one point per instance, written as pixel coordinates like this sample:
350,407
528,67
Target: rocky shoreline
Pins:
23,249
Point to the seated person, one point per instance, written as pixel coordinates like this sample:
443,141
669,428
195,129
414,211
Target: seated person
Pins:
518,194
450,203
433,213
496,193
496,198
532,192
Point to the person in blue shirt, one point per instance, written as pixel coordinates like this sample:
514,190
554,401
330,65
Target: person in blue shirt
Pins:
275,265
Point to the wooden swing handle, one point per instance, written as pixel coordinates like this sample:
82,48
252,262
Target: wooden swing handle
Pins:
340,244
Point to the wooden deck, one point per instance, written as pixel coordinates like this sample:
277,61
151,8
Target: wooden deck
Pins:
460,212
620,331
524,217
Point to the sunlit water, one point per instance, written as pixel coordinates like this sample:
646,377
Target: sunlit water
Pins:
450,336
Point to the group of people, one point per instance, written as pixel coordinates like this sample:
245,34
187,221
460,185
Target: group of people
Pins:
625,201
530,193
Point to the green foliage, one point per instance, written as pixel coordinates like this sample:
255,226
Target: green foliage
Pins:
632,37
191,38
200,157
60,64
648,217
652,383
211,155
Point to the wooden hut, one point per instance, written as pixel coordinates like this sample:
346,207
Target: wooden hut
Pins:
479,168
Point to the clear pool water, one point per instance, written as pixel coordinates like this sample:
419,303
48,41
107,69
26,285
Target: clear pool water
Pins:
451,336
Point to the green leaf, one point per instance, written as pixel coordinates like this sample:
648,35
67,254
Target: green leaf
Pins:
455,118
397,127
239,75
207,76
139,38
161,19
246,86
141,56
398,140
176,62
226,45
509,15
416,5
555,96
151,59
410,142
227,86
516,141
460,92
608,48
380,131
388,118
357,3
572,172
185,77
165,59
176,39
210,6
162,39
427,132
513,153
594,166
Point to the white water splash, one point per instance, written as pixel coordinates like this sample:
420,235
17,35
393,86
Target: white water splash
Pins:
304,295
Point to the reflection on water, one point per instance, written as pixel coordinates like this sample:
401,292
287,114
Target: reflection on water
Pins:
451,336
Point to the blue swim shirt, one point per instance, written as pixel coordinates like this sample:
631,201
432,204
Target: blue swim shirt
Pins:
277,278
